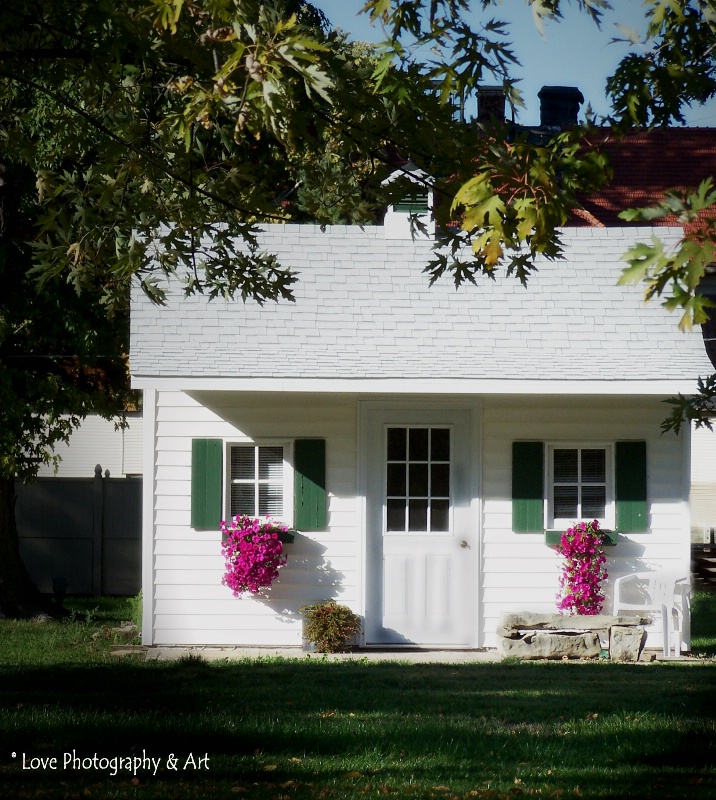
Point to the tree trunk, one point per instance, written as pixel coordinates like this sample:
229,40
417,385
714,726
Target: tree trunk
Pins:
19,597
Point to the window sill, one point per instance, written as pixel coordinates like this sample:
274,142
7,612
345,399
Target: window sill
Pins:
553,538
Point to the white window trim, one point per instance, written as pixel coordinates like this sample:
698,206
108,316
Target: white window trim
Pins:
288,474
609,519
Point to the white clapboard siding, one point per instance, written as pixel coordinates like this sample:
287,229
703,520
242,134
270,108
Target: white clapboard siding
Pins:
703,484
520,571
99,441
703,456
188,565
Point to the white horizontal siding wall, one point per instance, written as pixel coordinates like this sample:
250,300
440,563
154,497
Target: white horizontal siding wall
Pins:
190,604
99,441
703,484
520,572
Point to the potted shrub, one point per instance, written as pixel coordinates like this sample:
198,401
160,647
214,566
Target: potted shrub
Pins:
329,625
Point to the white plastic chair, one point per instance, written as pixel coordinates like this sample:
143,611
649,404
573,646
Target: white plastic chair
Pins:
663,593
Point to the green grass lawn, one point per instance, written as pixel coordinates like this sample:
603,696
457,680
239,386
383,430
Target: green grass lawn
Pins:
318,729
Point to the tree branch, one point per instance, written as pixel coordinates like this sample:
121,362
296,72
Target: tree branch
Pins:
63,100
38,53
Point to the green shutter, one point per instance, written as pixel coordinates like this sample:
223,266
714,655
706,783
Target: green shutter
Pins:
630,469
206,470
527,487
309,464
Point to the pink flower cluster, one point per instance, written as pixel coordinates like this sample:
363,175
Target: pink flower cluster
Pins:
253,552
583,570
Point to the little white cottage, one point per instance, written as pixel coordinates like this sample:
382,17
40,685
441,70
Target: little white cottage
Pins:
421,440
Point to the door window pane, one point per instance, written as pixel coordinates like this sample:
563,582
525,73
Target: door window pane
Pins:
440,515
417,515
440,480
396,480
397,444
417,484
418,444
440,444
396,515
418,481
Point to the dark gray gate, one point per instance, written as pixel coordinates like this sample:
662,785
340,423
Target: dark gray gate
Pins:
85,530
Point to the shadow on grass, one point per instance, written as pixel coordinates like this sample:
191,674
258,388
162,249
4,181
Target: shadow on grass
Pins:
295,729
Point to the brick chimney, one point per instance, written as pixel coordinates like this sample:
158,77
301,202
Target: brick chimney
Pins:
490,104
559,106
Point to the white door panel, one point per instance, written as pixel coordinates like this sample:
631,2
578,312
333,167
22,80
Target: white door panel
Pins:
421,538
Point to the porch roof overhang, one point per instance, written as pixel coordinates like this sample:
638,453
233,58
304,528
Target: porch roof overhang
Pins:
418,386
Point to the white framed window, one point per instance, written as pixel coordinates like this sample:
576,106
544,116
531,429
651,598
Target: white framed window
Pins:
259,480
580,484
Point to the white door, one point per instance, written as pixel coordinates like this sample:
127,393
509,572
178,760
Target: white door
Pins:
421,539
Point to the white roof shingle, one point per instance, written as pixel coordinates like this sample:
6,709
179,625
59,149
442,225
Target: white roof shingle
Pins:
364,309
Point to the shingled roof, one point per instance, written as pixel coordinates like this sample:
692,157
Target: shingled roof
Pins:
646,165
364,310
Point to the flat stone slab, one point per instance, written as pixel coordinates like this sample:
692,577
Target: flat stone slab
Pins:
533,636
548,645
527,621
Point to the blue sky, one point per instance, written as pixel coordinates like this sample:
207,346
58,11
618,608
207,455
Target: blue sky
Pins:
573,52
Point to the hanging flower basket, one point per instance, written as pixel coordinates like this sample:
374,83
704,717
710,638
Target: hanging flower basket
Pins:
582,570
253,551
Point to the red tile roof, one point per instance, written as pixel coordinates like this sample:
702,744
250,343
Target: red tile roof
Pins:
646,164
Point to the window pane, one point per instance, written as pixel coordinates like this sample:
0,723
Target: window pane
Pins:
594,502
566,466
243,499
440,475
397,438
418,515
440,444
270,499
396,480
271,463
396,515
594,466
418,444
440,515
566,502
242,463
418,480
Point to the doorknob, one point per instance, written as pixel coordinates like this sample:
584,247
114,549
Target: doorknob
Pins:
463,544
